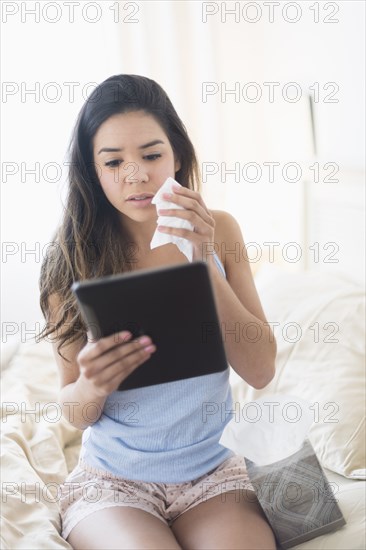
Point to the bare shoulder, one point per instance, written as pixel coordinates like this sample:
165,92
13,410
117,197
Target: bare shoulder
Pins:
231,249
227,234
223,220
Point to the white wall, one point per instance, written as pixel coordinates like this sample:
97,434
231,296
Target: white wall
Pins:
171,43
305,53
36,129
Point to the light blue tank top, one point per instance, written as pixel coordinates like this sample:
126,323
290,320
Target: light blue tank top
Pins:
167,433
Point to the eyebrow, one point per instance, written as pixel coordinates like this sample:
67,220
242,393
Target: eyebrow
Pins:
145,146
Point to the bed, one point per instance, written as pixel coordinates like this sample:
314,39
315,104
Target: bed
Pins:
325,366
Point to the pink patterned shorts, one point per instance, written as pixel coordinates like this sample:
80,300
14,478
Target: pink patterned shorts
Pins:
87,489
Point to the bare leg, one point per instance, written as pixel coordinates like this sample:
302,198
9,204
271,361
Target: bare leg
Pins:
118,528
231,520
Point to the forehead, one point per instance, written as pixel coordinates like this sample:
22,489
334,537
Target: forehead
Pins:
128,129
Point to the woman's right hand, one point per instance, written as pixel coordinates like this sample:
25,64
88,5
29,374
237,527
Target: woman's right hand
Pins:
105,363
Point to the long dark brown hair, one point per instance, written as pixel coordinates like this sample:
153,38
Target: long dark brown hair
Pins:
84,245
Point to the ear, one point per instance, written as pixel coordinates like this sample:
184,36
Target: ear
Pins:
177,165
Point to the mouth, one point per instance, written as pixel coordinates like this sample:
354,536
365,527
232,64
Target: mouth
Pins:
141,200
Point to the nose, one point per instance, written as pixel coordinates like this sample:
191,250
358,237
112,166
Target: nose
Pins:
134,173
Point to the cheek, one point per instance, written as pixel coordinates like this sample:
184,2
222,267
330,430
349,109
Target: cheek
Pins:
108,183
166,170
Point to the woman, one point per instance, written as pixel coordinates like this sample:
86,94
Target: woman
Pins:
163,481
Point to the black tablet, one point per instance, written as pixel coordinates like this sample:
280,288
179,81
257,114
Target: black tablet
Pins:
174,305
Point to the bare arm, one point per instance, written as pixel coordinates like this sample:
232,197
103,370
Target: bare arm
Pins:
249,341
79,404
252,354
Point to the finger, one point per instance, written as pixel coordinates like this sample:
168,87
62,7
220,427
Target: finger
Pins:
190,215
120,364
123,353
185,199
183,233
200,227
189,205
103,345
183,192
129,365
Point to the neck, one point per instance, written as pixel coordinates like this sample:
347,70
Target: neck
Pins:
139,235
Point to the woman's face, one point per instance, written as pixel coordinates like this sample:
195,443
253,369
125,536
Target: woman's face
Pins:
133,156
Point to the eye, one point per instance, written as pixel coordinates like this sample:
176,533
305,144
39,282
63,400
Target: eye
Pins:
153,157
113,163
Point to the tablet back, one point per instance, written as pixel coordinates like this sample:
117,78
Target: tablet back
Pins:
173,305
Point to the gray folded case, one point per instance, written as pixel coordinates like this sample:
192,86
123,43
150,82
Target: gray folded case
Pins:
296,497
174,305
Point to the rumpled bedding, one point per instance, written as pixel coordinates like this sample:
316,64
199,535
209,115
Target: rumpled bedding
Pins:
39,448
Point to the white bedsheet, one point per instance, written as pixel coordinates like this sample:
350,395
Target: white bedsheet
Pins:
37,454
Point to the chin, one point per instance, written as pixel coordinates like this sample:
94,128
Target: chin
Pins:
140,216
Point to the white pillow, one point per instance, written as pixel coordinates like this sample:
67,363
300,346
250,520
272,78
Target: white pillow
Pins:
325,313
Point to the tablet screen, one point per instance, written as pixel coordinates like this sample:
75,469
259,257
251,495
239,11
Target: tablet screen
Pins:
174,305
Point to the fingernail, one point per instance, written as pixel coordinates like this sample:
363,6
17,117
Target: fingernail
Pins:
150,348
124,335
145,340
167,195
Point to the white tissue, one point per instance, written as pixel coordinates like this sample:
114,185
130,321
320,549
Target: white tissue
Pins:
159,239
269,429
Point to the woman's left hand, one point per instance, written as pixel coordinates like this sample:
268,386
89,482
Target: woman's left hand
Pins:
197,213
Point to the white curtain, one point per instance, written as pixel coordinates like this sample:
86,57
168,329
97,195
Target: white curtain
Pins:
186,52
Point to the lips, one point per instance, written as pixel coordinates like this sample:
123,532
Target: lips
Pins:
141,202
140,197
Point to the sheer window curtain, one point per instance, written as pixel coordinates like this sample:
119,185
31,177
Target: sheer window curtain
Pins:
48,70
190,57
170,42
189,54
61,63
171,45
